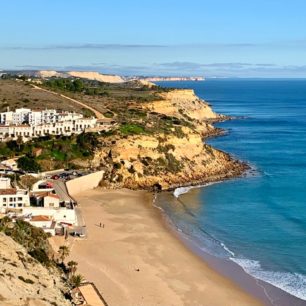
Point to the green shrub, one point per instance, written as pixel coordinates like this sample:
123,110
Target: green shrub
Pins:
131,129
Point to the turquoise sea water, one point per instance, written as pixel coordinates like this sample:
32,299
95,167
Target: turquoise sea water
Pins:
258,221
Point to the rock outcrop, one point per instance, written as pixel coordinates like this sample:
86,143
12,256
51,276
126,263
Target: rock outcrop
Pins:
49,74
183,103
24,281
96,76
164,160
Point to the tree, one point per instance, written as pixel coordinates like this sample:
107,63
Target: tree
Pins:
88,142
29,164
19,142
63,252
76,280
72,267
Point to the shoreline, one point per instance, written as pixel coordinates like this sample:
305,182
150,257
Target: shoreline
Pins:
268,293
136,259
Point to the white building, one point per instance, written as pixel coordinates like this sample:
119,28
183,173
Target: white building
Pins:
51,201
60,215
11,198
5,183
21,116
35,117
44,222
6,118
65,128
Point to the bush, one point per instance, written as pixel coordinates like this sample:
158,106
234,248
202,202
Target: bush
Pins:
173,165
131,129
29,164
41,256
32,238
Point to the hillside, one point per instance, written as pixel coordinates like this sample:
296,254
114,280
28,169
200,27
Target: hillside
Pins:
28,279
157,141
95,76
159,145
17,94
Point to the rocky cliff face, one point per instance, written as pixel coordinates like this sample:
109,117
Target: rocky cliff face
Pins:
96,76
24,281
90,75
171,158
183,103
164,162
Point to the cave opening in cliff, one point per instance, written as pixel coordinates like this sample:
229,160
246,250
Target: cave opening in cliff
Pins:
157,187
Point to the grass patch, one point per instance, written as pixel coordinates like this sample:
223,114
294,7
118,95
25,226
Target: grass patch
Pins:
131,129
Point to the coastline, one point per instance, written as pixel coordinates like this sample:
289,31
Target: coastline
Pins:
136,259
266,292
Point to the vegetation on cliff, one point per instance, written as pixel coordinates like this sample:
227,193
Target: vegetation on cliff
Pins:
28,265
51,152
157,140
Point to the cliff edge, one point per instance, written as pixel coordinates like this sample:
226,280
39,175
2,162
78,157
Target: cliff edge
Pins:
24,281
159,145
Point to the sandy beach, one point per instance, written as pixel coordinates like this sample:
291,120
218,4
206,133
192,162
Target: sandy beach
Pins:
136,260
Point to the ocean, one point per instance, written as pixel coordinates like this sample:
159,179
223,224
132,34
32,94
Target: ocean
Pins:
257,221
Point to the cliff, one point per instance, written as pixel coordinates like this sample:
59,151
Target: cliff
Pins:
96,76
164,147
90,75
183,103
24,281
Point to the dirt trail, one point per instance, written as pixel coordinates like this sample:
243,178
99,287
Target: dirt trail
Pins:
97,113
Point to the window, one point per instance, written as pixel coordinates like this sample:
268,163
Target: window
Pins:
4,199
19,204
19,198
11,199
4,205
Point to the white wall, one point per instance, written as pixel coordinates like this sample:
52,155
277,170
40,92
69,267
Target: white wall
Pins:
59,215
84,183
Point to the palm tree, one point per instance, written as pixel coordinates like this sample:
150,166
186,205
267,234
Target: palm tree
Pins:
63,252
76,280
72,267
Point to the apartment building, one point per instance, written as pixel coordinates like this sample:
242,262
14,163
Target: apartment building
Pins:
27,123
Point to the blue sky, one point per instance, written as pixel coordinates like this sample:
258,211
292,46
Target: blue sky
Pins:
262,38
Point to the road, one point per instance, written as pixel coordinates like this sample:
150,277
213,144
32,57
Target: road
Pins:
61,190
97,113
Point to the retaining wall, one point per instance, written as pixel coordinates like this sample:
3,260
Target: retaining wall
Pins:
84,183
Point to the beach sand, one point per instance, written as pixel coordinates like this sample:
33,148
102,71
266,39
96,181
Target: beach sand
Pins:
136,260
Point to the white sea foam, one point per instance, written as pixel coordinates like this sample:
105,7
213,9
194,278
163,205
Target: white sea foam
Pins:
181,190
293,283
227,249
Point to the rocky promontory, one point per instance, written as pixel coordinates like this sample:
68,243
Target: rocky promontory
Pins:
161,145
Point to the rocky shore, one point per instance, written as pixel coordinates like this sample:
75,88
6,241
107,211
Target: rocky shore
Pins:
166,160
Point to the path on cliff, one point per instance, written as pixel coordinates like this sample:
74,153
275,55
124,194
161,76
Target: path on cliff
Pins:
97,113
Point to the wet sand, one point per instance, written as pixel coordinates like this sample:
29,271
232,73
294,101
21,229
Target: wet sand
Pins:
136,260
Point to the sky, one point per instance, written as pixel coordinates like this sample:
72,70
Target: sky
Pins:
211,38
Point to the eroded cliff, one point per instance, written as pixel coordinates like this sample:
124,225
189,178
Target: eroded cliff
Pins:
24,281
162,147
